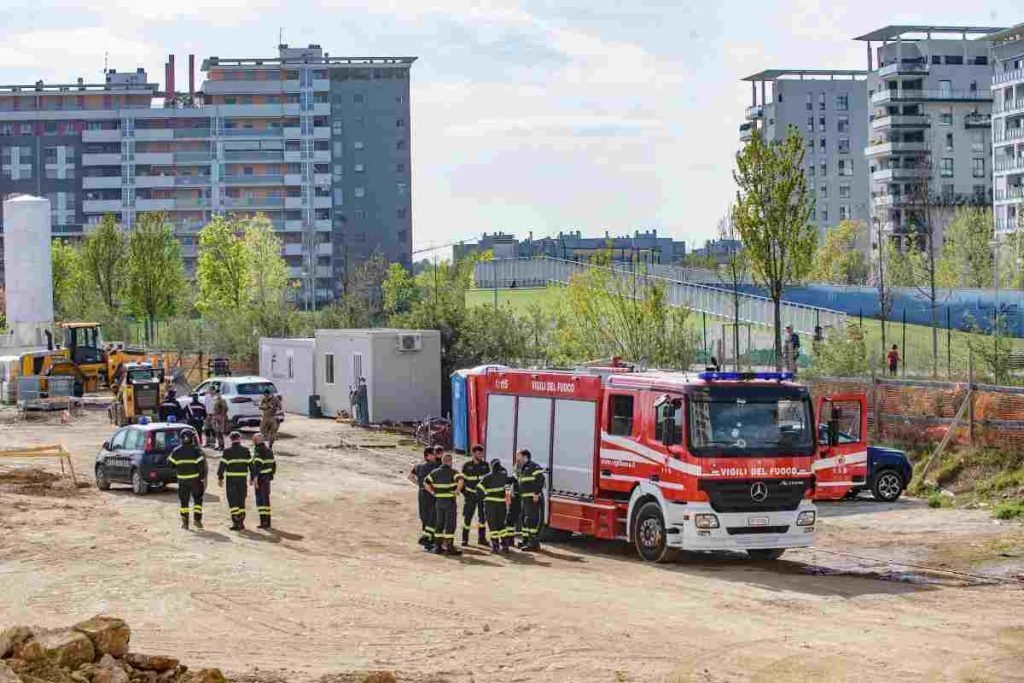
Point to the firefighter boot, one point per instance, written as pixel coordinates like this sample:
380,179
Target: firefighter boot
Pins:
198,518
241,521
452,550
465,537
438,547
235,525
481,537
184,521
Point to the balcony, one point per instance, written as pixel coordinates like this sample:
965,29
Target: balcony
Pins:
292,250
101,182
192,180
101,206
261,179
251,132
322,179
1008,135
1010,194
293,226
887,96
746,131
321,133
145,134
887,148
101,135
1009,107
154,158
754,112
322,225
977,120
164,204
1007,77
292,179
192,203
154,181
253,155
324,249
292,132
233,87
322,156
103,159
900,121
252,202
1009,165
322,202
200,156
904,68
887,175
191,133
294,203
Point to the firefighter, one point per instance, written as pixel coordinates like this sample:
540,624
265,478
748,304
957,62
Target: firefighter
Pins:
269,407
169,408
195,414
494,490
189,463
530,476
473,471
219,419
425,497
264,467
445,483
235,464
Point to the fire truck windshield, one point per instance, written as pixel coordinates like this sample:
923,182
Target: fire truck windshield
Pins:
750,426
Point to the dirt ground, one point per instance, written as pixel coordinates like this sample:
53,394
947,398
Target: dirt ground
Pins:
340,587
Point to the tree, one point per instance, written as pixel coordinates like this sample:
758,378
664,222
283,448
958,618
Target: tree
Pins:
399,289
967,249
733,273
155,284
771,216
103,262
839,259
66,266
266,275
222,267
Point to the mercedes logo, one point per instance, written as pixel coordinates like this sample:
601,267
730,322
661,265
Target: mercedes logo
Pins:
759,492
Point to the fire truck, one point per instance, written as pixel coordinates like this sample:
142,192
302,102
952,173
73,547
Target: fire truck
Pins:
663,460
845,465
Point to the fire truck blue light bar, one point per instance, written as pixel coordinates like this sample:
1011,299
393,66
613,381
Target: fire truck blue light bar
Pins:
732,376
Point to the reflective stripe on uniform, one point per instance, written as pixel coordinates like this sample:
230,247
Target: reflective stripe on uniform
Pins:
187,476
198,509
183,511
236,474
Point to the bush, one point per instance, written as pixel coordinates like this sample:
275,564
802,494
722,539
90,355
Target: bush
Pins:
1009,510
938,499
842,356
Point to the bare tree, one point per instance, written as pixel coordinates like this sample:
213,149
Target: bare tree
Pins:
733,272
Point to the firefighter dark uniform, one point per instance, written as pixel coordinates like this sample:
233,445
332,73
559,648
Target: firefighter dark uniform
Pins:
514,519
195,414
426,503
531,481
264,467
189,463
235,463
492,490
472,472
444,480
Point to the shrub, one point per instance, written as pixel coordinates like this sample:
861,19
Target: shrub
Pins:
1009,510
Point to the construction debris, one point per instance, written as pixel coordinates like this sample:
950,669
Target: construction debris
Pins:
93,651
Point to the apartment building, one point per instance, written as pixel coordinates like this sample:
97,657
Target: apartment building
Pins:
828,108
644,246
319,144
930,125
1008,128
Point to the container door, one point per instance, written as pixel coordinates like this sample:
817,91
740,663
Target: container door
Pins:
501,428
572,451
533,430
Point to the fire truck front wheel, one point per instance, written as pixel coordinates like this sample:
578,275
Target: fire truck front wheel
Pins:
649,533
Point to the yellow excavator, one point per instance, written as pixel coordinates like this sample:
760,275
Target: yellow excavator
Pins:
138,393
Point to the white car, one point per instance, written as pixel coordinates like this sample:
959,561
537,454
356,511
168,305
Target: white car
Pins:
243,396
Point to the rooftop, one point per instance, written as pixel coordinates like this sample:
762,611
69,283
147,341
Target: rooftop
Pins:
377,62
1007,34
900,31
774,74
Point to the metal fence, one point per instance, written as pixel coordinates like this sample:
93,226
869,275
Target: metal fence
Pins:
712,301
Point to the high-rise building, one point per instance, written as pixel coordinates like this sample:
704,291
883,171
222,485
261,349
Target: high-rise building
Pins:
828,108
319,144
1008,128
930,107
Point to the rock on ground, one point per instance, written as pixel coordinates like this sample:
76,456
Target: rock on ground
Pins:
109,635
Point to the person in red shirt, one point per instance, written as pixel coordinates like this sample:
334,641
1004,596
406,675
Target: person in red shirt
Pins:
894,360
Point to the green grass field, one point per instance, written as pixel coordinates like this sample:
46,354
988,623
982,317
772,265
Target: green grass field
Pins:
917,352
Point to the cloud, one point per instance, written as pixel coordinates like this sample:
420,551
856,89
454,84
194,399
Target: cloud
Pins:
62,54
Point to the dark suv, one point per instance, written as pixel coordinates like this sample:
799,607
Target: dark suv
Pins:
137,455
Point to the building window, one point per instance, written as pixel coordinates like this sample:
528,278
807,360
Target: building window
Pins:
620,417
844,212
359,192
823,215
810,170
844,145
843,124
329,368
946,117
822,144
399,123
979,193
823,191
400,168
846,167
949,142
977,141
821,101
358,144
978,167
823,170
844,191
821,124
842,102
810,144
810,124
359,168
947,192
358,98
400,144
400,213
947,167
809,101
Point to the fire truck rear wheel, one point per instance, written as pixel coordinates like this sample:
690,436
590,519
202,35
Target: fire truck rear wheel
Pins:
649,533
765,553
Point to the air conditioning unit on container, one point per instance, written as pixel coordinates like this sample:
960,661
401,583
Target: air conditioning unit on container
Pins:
410,342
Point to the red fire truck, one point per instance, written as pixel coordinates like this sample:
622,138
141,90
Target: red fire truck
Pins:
665,460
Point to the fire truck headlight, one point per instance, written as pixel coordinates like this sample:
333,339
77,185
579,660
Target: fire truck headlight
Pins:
705,521
805,518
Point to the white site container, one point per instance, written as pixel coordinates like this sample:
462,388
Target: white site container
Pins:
288,363
402,369
27,269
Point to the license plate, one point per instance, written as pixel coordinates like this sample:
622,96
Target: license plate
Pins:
757,521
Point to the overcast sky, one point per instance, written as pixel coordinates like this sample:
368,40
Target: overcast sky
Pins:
527,114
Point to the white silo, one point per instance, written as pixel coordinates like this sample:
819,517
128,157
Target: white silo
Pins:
28,274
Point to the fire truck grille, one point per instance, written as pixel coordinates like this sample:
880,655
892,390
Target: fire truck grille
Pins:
740,530
754,495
